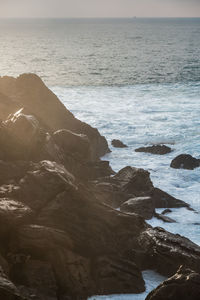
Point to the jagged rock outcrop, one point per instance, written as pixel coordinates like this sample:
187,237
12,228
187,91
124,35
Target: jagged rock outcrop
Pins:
155,149
165,251
131,183
184,285
23,139
185,161
30,92
60,234
164,200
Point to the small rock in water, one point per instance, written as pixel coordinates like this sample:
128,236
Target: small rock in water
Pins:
185,161
166,211
118,144
164,218
155,149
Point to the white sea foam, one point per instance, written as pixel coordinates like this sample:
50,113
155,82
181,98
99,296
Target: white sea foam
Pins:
145,115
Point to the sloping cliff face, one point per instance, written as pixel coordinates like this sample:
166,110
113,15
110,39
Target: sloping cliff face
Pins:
30,92
60,234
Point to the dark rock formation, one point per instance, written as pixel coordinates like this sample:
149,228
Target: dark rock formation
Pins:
165,252
22,138
134,181
70,142
8,290
166,211
118,144
184,285
164,218
155,149
57,231
130,183
30,92
142,206
185,161
60,236
164,200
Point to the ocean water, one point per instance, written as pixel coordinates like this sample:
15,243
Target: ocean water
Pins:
137,80
147,114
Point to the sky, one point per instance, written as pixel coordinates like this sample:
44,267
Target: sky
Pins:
99,8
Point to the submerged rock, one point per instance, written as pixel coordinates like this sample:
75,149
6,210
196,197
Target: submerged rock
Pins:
166,211
184,285
164,218
155,149
118,144
185,161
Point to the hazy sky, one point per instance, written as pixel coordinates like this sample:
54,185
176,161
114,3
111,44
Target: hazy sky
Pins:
99,8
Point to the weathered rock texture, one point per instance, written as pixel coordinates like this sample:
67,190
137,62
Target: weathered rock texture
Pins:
155,149
185,161
29,91
60,234
184,285
118,144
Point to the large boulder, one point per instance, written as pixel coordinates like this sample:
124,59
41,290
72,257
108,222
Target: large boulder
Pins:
43,181
165,252
155,149
184,285
131,183
21,137
72,143
162,199
117,276
185,161
30,92
140,205
94,227
134,181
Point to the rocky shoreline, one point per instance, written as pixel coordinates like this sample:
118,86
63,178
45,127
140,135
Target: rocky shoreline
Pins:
62,233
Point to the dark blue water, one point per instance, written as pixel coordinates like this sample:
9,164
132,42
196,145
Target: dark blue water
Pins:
102,51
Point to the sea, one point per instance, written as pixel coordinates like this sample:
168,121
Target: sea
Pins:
137,80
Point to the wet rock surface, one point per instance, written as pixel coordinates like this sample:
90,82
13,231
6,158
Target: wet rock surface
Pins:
140,205
118,144
166,251
185,284
62,235
185,161
155,149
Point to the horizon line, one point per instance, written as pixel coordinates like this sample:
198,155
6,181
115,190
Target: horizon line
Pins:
74,18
